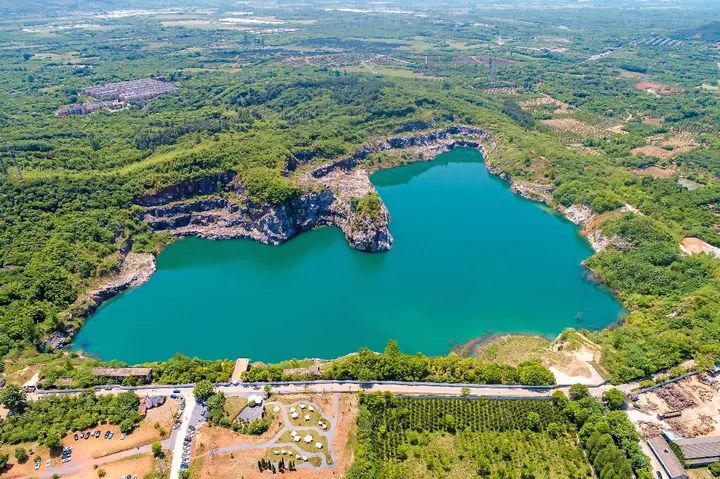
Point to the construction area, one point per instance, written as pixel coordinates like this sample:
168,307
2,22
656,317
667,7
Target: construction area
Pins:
680,424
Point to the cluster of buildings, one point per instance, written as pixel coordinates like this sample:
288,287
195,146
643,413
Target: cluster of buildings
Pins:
119,95
675,454
131,91
90,107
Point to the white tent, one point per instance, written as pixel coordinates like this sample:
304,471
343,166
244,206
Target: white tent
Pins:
308,439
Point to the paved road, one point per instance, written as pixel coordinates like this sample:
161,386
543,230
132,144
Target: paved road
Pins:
191,413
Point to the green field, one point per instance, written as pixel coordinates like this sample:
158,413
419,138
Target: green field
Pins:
434,438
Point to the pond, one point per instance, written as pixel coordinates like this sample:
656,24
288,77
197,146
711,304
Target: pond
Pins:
469,258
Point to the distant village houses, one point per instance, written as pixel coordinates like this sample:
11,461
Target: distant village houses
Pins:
119,95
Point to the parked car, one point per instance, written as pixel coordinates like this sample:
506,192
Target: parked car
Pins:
176,391
122,436
97,434
107,434
75,436
173,396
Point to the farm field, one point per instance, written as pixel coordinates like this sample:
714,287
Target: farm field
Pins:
463,438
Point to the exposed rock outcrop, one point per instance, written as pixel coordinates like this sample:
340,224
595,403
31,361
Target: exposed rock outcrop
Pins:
204,185
579,214
239,217
134,270
333,189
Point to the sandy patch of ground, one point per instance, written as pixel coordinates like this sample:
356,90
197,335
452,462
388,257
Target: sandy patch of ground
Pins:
656,171
667,147
655,88
27,468
139,466
560,107
698,246
571,125
577,361
208,438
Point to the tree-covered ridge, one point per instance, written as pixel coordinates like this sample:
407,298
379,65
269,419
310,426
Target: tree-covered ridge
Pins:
249,102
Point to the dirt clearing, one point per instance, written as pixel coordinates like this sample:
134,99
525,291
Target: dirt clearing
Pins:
667,147
577,127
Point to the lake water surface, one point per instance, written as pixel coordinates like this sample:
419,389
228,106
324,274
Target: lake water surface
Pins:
469,258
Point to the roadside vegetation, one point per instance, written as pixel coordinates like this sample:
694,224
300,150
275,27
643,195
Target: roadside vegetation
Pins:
392,365
48,420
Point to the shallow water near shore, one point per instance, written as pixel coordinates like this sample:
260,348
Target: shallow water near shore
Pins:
469,257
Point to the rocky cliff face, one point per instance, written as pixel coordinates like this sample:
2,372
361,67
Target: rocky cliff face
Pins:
239,217
133,269
334,186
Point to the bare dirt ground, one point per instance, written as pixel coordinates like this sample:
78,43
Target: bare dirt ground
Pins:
242,463
571,125
666,148
576,361
560,107
698,246
571,360
208,438
656,171
655,88
139,466
699,418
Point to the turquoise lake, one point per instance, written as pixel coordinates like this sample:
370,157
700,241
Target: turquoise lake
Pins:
469,258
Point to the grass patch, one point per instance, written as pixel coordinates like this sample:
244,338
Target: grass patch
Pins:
233,406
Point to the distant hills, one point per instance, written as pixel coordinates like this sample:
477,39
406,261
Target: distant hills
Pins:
709,32
11,7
